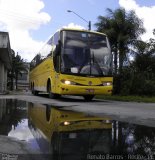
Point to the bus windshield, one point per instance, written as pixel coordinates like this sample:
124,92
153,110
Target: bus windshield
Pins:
85,53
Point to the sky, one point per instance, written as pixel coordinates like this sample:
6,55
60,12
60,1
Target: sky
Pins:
31,22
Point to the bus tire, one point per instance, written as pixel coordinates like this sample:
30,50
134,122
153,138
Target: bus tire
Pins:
32,88
88,97
50,93
48,112
54,95
36,92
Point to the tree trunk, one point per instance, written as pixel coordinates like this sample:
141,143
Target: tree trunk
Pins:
115,55
16,80
11,83
121,58
115,62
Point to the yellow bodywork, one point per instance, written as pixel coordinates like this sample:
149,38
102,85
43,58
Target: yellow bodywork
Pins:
45,72
49,120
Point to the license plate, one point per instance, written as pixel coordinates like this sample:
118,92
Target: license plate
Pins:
90,90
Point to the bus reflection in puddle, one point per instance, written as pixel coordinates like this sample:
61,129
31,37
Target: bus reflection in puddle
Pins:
67,134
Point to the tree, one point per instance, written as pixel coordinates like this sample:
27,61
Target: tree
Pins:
138,77
16,70
122,28
144,56
144,68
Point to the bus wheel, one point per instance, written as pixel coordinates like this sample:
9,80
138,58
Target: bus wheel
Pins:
51,95
88,97
33,91
54,95
36,93
32,88
48,112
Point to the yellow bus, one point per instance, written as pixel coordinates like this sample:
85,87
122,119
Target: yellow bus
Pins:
60,132
73,62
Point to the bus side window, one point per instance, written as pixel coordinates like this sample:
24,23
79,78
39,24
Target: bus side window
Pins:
49,47
56,51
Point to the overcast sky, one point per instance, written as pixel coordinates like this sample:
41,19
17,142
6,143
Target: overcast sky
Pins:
31,22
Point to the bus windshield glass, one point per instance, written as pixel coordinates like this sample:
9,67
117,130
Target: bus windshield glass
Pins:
85,53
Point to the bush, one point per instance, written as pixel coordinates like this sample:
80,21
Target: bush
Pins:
130,83
123,82
148,88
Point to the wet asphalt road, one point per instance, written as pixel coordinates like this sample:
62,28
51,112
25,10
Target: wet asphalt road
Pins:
132,112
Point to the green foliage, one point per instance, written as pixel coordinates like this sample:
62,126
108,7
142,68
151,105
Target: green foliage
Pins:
148,88
121,27
129,98
136,77
123,82
16,70
130,83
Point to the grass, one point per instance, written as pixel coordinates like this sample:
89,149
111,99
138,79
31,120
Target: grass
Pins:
127,98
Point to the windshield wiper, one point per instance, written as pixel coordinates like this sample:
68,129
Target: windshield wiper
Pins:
94,61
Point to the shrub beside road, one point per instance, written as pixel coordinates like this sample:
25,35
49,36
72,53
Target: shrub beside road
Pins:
128,98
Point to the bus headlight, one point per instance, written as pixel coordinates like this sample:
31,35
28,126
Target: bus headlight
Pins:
68,82
66,123
107,121
107,83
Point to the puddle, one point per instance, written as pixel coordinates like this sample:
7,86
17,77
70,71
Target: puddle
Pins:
71,135
14,126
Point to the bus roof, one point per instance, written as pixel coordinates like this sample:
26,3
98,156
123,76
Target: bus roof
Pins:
81,30
68,29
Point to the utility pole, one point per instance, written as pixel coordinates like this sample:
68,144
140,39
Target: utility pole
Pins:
88,22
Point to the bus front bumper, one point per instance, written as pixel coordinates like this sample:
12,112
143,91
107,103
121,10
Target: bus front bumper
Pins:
85,90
